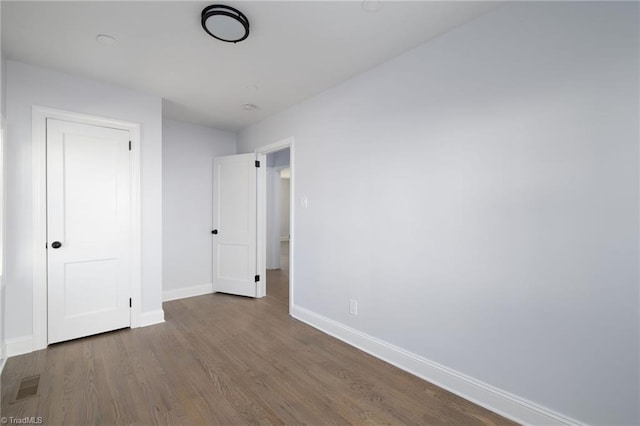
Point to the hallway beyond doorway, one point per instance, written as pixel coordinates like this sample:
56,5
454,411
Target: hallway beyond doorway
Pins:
278,279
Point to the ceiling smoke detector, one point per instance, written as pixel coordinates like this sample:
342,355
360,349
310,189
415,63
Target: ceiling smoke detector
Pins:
106,40
225,23
249,107
371,5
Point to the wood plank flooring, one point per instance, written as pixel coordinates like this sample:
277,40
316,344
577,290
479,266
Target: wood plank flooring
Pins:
226,360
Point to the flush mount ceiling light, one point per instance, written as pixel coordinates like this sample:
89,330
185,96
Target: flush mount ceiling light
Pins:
225,23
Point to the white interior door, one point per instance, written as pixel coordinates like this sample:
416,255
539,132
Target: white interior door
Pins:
235,225
88,229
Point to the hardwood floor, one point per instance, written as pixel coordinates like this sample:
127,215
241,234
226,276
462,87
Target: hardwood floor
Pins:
226,360
278,279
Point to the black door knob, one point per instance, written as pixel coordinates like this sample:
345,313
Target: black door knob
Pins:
214,232
56,244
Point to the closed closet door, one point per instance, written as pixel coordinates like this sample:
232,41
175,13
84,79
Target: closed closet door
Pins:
88,229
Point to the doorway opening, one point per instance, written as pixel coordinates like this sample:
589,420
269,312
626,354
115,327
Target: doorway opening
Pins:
278,221
277,215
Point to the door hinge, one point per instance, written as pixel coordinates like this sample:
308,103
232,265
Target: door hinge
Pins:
257,278
129,145
46,246
129,302
257,163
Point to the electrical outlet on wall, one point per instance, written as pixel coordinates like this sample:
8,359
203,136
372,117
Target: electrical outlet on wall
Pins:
353,307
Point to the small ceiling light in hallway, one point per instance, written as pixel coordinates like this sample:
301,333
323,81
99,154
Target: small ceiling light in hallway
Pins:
371,5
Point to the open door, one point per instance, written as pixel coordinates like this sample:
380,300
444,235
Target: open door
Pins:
235,259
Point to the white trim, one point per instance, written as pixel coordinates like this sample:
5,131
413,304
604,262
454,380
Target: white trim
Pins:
39,191
261,225
3,354
151,317
3,227
183,293
39,194
19,346
487,396
277,146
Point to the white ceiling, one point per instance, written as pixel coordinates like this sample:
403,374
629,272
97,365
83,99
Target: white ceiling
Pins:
295,50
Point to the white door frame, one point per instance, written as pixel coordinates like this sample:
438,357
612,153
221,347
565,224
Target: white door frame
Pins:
262,215
39,194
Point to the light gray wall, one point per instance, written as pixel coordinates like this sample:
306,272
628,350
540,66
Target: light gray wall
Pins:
478,196
3,82
3,110
187,172
3,76
27,86
279,158
273,217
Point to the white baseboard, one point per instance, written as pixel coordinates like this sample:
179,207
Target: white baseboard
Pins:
487,396
3,356
24,345
19,346
151,318
183,293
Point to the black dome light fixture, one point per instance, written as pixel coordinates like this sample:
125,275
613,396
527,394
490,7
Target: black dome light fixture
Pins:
225,23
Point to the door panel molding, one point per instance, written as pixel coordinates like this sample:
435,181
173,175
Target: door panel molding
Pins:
234,220
88,229
39,200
